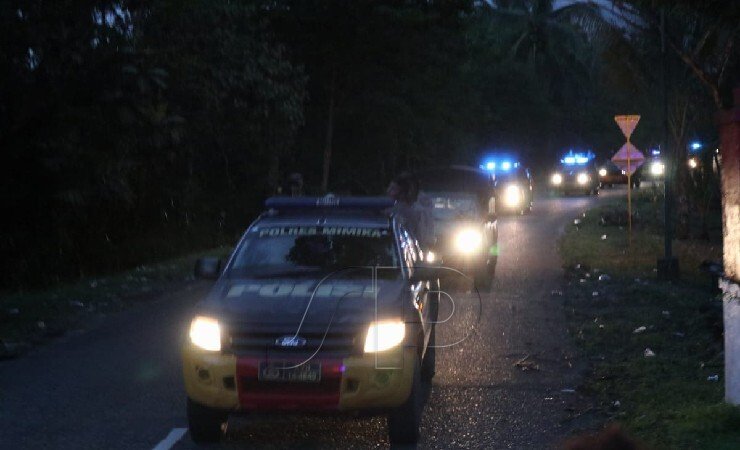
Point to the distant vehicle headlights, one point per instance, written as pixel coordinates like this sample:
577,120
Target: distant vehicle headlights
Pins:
205,332
556,179
657,168
602,172
582,178
512,195
468,241
693,163
383,336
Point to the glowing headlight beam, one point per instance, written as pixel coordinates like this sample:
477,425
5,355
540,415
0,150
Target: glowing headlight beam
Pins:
205,332
431,257
512,195
657,168
383,336
602,172
556,179
582,178
468,241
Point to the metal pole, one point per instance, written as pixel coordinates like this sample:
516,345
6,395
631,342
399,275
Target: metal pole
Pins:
629,196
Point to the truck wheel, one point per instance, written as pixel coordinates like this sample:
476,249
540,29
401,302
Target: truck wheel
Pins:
429,363
204,423
404,421
483,278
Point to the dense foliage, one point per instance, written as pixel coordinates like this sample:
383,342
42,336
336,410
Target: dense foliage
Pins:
133,131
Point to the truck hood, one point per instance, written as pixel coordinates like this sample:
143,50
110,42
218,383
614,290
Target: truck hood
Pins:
285,301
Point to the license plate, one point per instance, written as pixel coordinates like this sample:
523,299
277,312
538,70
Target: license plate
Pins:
285,372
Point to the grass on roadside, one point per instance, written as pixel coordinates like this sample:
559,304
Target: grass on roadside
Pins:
609,248
29,318
671,399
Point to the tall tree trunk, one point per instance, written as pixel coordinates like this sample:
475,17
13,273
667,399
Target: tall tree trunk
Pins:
329,135
681,180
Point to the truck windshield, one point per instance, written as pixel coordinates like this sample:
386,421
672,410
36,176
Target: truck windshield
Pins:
298,250
449,206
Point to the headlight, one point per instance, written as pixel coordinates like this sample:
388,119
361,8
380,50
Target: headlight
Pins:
383,336
431,257
205,333
693,163
602,172
582,178
657,168
468,241
512,195
556,179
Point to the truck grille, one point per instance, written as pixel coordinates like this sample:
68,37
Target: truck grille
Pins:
260,338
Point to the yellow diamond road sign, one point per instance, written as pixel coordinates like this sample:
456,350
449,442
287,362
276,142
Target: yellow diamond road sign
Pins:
627,124
628,154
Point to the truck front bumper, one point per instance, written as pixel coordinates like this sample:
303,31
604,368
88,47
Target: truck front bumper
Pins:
229,382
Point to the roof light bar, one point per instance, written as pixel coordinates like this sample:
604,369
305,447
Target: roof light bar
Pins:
329,202
577,158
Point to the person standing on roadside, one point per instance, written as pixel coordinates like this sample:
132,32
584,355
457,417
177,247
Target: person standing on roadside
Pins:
404,189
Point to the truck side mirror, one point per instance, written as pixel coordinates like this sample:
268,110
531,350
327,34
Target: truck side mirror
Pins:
207,268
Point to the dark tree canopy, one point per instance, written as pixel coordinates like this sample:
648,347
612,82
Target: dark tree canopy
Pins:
133,131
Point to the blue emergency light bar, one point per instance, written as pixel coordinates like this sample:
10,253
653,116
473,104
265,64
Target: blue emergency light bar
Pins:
577,158
499,165
329,202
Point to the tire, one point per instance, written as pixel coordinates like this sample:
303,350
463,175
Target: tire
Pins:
482,278
429,363
404,421
204,423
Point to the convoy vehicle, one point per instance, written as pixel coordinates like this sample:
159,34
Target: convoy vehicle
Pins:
576,172
325,305
463,207
512,184
610,174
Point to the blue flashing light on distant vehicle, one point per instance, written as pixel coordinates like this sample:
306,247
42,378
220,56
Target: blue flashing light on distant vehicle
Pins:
576,173
499,165
577,158
696,145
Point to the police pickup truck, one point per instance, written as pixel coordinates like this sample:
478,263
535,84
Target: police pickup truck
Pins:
576,172
323,306
462,205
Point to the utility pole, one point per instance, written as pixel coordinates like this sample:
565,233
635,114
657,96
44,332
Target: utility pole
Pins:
668,265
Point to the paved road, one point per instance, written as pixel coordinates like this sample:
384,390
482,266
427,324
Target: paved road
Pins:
119,385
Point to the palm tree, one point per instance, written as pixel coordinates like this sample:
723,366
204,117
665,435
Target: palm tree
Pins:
545,35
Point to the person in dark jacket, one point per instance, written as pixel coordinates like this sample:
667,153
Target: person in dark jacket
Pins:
404,189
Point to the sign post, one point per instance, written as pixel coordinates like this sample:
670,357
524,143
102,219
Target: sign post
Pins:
629,159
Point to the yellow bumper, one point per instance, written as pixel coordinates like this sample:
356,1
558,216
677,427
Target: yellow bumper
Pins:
366,382
382,383
204,374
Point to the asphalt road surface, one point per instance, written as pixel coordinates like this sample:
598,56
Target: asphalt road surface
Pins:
119,385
